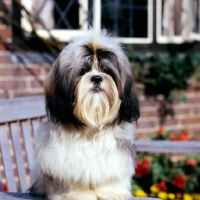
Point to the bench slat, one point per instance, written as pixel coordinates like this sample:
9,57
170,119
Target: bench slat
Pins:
35,124
168,146
7,159
21,108
19,157
26,130
1,188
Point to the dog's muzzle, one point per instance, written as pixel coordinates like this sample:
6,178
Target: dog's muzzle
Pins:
96,79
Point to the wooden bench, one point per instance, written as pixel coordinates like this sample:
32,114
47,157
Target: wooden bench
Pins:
19,119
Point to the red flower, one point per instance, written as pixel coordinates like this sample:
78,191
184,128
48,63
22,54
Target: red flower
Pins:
162,186
184,136
192,162
161,130
4,187
179,181
142,167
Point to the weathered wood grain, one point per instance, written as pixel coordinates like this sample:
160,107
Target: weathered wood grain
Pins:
28,142
7,160
19,157
168,146
21,108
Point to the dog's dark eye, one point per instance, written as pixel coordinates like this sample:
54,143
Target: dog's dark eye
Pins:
83,71
106,70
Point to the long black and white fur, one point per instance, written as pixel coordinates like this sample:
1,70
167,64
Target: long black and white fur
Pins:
86,150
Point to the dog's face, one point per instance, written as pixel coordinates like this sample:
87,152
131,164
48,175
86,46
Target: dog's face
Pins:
91,84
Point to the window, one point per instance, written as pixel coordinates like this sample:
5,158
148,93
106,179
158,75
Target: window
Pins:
178,21
131,20
64,19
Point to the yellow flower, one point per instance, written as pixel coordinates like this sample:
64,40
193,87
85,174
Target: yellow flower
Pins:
154,189
187,197
140,193
162,195
196,196
171,196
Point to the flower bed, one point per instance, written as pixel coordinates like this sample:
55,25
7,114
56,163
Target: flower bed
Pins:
167,176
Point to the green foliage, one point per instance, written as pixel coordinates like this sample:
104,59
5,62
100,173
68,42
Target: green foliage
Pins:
164,73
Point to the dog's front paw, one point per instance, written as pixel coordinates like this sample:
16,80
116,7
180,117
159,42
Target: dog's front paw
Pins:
113,197
112,194
83,195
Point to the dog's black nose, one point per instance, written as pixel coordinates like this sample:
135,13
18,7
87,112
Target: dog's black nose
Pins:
96,79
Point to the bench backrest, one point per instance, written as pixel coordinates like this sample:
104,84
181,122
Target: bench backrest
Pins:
19,119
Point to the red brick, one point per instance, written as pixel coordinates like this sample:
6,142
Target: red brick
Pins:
17,71
179,111
191,120
37,84
2,47
196,91
27,71
4,59
3,96
171,121
6,71
147,103
194,100
6,33
197,110
145,114
145,135
12,84
196,130
26,94
147,124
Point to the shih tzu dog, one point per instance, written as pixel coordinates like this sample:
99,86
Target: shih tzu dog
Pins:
86,150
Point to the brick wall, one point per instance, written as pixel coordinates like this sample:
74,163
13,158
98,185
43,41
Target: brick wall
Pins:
18,80
186,117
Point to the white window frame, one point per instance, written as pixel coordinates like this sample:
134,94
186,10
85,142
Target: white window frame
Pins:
162,39
193,35
66,35
61,34
149,38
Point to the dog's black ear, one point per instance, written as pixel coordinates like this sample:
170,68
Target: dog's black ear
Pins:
59,97
129,110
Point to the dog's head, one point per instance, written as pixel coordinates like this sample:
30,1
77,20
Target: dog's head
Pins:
91,84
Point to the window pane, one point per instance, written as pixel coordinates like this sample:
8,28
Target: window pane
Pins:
63,14
66,14
195,10
126,18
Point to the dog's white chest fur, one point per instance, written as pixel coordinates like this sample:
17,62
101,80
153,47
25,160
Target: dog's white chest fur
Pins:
93,157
